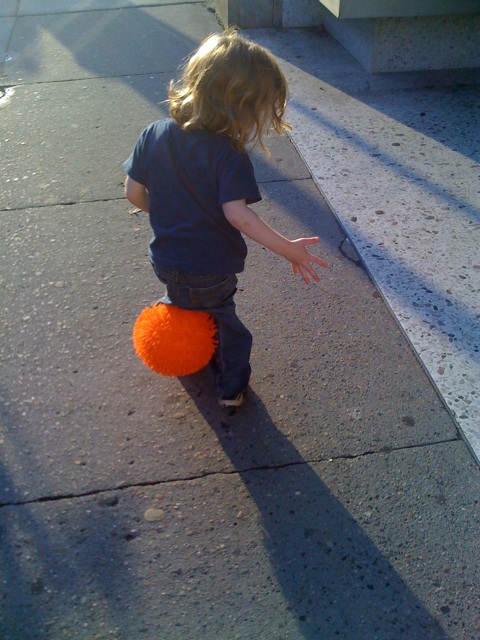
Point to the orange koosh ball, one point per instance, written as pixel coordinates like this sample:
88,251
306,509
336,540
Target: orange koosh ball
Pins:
173,341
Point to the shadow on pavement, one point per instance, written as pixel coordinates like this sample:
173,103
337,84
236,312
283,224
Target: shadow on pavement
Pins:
52,565
336,581
104,43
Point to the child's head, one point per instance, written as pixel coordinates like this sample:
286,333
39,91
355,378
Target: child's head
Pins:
233,87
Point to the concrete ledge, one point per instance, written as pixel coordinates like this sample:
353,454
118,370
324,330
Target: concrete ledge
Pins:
409,44
255,14
399,8
252,14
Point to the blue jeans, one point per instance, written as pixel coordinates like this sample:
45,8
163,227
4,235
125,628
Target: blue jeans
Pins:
214,294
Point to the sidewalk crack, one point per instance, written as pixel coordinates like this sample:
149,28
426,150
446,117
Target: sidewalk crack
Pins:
229,472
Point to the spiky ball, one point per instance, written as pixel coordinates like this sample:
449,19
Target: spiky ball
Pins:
173,341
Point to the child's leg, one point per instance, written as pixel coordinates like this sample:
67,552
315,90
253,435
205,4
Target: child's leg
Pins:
231,361
215,294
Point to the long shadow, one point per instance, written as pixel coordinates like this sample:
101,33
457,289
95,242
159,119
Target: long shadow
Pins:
110,42
336,581
55,557
403,171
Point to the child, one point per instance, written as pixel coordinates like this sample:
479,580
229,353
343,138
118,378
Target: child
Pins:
191,173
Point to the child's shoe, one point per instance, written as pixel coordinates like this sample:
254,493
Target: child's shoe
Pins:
237,401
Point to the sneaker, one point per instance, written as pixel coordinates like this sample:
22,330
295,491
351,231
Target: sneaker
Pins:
237,401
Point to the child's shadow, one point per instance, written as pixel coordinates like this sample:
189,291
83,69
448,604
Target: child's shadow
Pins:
336,581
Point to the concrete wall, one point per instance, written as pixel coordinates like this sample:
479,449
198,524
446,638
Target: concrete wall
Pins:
253,14
301,13
250,14
399,8
405,44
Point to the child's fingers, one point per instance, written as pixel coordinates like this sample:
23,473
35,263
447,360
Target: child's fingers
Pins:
313,273
309,241
306,271
318,261
306,242
304,275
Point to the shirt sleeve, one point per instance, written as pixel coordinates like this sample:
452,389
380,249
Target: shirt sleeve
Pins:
134,167
236,180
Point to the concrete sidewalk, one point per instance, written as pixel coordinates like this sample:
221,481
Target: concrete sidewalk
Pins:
397,155
340,502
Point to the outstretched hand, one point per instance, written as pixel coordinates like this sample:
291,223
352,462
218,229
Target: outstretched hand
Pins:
302,259
240,216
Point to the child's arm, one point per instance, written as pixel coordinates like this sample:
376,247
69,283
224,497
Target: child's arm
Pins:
245,220
137,194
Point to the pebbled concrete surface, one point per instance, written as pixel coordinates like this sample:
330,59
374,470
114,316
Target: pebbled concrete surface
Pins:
339,502
71,378
333,549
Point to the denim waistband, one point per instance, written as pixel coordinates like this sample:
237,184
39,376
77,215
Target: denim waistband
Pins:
193,278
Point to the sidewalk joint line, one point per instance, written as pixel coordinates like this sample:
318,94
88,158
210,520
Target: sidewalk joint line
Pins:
66,203
139,6
387,450
281,180
232,472
34,83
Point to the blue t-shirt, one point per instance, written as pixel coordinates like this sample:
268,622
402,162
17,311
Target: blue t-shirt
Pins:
189,175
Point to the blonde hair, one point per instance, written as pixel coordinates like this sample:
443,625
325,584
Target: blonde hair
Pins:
233,87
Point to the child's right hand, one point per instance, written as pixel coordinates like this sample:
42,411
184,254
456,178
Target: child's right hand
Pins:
245,220
302,259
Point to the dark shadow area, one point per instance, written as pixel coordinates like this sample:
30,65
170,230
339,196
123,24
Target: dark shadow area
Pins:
52,564
336,581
